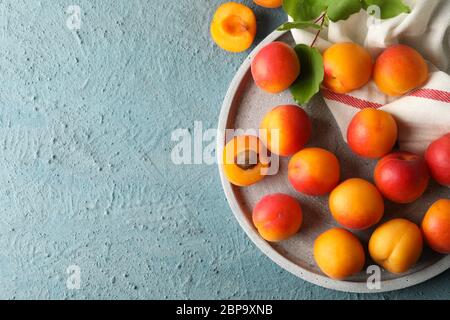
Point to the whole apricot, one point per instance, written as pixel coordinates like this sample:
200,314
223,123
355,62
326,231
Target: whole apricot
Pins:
437,157
269,3
356,204
233,27
372,133
286,129
401,177
347,67
399,69
338,253
436,226
277,217
314,171
245,160
396,245
275,67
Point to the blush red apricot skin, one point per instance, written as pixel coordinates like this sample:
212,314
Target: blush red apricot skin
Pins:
436,226
401,177
372,133
399,69
285,129
272,4
277,217
438,159
275,67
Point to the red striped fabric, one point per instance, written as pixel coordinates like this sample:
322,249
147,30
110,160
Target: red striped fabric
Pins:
438,95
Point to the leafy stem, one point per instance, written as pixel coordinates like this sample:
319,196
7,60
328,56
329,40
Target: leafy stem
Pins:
322,21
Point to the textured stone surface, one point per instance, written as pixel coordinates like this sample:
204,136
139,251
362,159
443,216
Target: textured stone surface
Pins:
85,172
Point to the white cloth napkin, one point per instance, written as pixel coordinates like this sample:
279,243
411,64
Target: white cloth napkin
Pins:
423,115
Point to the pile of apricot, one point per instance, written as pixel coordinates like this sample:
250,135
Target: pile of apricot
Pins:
355,204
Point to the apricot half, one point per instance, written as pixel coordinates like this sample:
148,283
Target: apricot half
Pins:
399,69
245,160
396,245
338,253
233,27
347,67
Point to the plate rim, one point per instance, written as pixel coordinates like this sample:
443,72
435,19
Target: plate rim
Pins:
302,273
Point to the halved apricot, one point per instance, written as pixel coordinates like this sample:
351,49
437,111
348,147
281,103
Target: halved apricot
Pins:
233,27
245,160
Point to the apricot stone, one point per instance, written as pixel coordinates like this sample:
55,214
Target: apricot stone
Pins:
233,27
314,171
245,160
396,245
338,253
399,69
372,133
347,67
436,226
356,204
277,217
286,129
275,67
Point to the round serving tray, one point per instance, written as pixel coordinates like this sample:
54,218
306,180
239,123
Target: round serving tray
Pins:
243,108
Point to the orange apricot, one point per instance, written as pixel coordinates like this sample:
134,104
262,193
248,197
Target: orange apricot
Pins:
436,226
356,204
233,27
372,133
269,3
396,245
277,217
399,69
347,67
275,67
286,129
314,171
245,160
338,253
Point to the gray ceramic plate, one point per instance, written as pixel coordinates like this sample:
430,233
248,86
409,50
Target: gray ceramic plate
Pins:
243,107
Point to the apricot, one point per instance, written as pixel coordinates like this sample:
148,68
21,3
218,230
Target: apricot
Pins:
401,177
338,253
347,67
314,171
233,27
244,160
269,3
356,204
399,69
396,245
275,67
277,217
437,157
436,226
286,129
372,133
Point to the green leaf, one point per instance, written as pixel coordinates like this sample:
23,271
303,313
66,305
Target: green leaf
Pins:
298,25
304,10
342,9
388,8
311,74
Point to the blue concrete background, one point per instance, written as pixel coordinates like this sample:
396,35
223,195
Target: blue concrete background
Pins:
85,171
